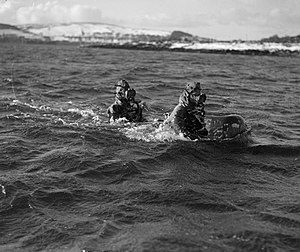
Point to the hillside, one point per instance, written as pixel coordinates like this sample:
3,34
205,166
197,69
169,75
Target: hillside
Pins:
13,33
8,27
95,33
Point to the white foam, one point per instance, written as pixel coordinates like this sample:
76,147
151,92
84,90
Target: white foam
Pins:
83,112
3,189
152,132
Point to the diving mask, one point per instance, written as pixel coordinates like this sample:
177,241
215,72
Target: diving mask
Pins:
130,94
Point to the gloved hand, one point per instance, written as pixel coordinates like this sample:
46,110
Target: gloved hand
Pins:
144,106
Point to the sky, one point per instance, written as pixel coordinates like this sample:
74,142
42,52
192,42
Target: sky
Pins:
218,19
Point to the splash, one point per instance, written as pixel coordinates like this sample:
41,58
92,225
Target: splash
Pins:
83,112
62,115
3,189
152,132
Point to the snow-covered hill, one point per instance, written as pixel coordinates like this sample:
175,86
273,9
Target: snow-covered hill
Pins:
76,29
93,32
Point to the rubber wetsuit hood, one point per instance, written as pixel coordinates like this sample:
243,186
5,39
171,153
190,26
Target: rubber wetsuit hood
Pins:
121,87
184,98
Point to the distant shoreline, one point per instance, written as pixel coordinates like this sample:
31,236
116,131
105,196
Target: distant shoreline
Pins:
160,47
147,47
99,35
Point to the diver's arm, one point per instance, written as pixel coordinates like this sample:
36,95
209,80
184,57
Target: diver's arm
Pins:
134,112
141,104
144,106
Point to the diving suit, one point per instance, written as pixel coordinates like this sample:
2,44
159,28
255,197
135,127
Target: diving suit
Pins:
188,116
125,105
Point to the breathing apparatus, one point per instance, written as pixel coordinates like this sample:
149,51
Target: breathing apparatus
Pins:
130,94
199,98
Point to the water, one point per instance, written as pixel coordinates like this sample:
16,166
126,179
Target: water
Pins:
69,181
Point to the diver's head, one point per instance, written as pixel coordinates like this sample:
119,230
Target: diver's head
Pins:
121,87
123,83
194,93
193,87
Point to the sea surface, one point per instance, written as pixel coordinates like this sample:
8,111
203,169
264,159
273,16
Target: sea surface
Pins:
71,181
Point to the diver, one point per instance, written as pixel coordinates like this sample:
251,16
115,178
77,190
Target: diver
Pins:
125,105
188,116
